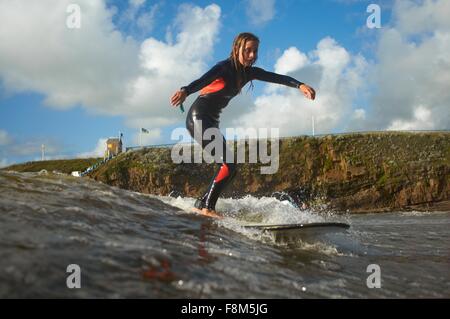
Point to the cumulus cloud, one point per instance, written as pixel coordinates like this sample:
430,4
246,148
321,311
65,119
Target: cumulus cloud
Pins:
336,75
422,119
98,67
168,65
412,74
291,60
260,11
89,65
98,151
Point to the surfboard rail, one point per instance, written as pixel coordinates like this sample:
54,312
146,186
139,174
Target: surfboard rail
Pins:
298,226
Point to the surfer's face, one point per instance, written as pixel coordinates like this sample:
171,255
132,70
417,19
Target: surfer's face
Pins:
248,53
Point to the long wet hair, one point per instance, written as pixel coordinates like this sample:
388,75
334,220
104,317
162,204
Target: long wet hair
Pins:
239,42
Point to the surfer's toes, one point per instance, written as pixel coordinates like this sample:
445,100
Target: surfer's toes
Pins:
211,213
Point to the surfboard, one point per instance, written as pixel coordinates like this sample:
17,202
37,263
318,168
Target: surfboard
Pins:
302,231
329,227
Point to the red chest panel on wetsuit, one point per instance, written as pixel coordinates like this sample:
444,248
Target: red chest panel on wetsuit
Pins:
214,86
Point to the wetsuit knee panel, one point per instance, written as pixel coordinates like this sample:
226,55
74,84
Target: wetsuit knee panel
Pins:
227,170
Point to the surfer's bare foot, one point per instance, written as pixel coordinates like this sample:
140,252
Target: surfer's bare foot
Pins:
211,213
207,212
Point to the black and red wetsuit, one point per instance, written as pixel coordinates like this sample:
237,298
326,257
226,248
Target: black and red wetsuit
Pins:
218,86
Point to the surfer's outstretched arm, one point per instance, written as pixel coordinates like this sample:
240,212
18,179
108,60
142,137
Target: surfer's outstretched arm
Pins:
263,75
179,96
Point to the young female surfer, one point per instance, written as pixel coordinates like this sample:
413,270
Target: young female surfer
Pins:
217,87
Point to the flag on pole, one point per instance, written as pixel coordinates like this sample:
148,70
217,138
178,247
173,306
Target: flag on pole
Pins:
143,130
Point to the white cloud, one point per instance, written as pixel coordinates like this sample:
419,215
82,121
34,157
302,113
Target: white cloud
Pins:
334,73
413,17
90,65
291,60
166,66
412,75
4,138
96,66
260,11
422,119
98,151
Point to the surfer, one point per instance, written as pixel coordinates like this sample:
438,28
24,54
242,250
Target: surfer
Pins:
217,87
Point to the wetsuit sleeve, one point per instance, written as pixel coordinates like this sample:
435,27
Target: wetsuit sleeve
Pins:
206,79
263,75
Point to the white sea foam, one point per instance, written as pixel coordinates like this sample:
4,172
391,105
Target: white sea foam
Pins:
252,210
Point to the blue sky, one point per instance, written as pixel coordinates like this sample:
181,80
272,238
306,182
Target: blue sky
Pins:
72,88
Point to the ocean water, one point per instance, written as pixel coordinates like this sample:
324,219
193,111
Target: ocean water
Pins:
132,245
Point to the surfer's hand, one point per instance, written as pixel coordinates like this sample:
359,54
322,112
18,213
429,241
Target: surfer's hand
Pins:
178,98
307,91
